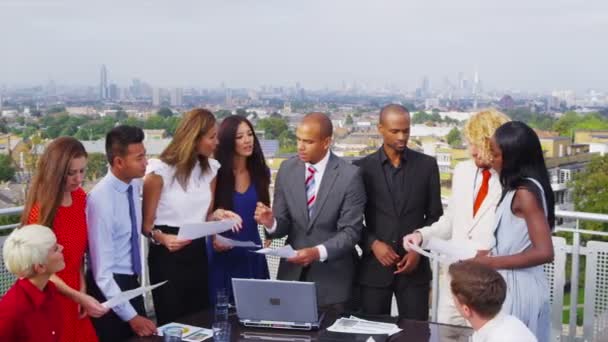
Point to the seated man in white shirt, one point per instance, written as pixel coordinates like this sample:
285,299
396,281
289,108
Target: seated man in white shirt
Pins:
478,293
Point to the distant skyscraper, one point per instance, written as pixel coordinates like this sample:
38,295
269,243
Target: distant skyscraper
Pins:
156,97
177,95
113,92
103,83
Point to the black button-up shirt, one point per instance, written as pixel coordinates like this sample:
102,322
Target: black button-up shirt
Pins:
395,178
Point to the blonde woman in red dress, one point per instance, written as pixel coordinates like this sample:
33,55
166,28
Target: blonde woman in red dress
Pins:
56,200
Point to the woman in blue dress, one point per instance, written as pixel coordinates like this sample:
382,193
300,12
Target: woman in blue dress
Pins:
524,219
242,180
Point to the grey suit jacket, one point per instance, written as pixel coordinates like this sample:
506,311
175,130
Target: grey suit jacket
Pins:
337,222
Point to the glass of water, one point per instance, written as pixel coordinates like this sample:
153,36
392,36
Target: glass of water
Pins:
172,334
221,305
221,331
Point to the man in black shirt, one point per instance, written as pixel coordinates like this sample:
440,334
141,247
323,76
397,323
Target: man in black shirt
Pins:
403,192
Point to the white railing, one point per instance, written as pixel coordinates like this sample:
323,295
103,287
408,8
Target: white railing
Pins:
596,285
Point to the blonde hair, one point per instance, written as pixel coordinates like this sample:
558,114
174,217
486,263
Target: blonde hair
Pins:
479,130
182,152
26,247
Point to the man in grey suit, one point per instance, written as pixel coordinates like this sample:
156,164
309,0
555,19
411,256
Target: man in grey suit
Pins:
318,204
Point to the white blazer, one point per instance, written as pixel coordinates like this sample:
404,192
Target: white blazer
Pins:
457,222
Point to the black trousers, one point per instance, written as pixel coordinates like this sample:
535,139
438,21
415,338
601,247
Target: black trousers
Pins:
412,299
187,289
110,327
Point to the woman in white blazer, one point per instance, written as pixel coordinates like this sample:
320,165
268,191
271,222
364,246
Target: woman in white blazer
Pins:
469,218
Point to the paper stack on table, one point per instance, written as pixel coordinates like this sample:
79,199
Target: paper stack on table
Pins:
284,252
197,230
190,333
354,325
445,252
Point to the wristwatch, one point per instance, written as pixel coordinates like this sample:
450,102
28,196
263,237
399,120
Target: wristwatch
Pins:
150,236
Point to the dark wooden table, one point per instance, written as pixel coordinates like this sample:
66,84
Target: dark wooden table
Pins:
413,331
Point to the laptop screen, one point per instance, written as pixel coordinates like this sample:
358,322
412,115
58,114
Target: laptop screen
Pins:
275,300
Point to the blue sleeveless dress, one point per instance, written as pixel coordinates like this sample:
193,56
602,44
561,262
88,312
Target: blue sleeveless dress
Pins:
527,288
238,262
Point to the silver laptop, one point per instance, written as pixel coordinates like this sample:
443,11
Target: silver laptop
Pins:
276,304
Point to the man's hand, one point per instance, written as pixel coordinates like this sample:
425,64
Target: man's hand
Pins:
263,215
408,263
305,256
384,253
218,247
142,326
171,242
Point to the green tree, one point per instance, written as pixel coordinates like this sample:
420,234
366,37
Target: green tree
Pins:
272,127
222,113
121,115
155,122
171,124
97,166
349,120
287,142
55,110
241,112
589,192
453,138
7,168
164,112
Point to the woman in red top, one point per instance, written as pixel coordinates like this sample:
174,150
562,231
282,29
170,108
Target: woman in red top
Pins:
56,200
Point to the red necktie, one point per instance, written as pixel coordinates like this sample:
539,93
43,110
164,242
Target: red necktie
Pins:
483,191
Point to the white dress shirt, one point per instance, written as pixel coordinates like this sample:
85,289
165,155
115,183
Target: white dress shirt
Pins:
504,328
177,205
320,167
109,235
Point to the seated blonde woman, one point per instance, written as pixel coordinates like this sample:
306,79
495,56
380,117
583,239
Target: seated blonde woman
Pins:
29,311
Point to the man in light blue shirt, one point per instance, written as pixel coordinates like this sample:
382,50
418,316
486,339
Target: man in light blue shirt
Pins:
114,223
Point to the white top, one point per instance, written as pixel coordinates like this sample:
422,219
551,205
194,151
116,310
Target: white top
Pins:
458,223
177,206
504,328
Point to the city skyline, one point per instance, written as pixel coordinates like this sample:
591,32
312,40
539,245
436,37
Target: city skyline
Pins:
538,46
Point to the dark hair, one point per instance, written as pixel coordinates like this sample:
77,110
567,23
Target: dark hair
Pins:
119,139
522,158
392,108
478,286
326,127
256,164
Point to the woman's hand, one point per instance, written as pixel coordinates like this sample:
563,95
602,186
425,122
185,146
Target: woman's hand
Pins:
414,238
219,247
483,257
170,241
221,214
88,305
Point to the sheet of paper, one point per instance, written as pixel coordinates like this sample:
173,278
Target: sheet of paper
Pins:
125,296
197,230
283,252
452,249
354,325
190,333
442,259
234,243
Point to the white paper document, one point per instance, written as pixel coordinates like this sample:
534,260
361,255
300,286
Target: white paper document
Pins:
197,230
190,333
445,252
125,296
234,243
354,325
283,252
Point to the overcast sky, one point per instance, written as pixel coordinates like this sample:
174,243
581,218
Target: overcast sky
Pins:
517,44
